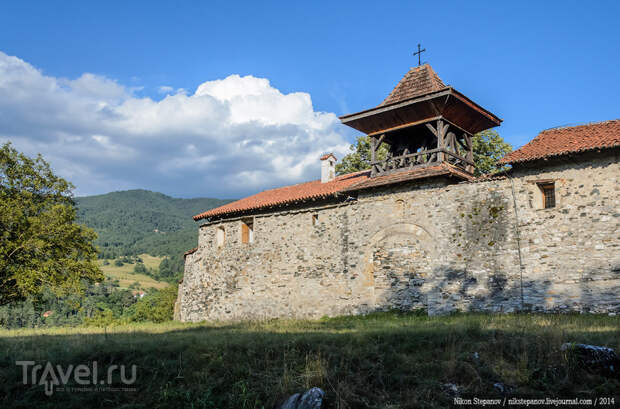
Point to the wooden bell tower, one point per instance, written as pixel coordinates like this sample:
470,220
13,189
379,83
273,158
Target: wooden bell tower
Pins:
424,123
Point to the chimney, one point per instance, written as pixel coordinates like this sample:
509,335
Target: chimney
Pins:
328,167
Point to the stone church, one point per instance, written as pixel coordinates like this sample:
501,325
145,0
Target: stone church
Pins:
418,230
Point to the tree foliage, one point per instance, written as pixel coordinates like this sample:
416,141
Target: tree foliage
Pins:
40,243
155,307
140,221
99,304
359,158
488,148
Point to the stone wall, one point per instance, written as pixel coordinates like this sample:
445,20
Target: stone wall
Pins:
432,245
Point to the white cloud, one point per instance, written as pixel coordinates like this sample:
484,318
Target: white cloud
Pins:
165,89
231,137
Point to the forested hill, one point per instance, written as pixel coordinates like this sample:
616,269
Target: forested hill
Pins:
140,221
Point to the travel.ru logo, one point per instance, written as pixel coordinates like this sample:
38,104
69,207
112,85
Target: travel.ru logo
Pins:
83,375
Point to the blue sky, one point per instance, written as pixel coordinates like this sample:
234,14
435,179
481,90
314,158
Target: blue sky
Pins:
535,64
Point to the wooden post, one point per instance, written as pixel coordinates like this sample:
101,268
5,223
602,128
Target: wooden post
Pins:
373,148
470,152
441,142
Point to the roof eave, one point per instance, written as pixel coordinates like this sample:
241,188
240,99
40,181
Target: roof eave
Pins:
359,120
395,105
237,213
556,155
444,172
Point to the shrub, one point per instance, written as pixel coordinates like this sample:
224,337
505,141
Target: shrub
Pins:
157,306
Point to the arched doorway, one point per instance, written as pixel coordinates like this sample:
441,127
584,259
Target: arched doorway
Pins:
399,259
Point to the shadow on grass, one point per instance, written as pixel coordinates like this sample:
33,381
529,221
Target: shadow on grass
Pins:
382,360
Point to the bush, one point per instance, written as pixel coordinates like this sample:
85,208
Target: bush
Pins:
157,306
140,268
103,318
118,263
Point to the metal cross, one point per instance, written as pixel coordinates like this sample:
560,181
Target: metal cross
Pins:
419,54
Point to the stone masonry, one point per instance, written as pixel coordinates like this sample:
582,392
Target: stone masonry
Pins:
430,244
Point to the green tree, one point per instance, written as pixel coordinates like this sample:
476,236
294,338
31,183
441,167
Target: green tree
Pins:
488,148
40,243
158,306
359,158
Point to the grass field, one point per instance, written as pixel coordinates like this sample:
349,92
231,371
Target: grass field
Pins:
126,277
383,360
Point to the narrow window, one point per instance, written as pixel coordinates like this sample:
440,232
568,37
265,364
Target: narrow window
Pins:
548,195
247,231
220,236
400,207
315,219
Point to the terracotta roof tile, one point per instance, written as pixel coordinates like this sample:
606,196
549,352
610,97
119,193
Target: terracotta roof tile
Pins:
404,176
418,81
327,155
288,194
561,141
188,252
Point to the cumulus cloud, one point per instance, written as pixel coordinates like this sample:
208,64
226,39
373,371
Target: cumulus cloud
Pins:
231,137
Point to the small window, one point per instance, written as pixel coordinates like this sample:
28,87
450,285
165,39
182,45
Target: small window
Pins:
247,231
315,219
220,236
399,207
548,195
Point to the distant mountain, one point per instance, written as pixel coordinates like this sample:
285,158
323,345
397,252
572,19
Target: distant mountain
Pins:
133,222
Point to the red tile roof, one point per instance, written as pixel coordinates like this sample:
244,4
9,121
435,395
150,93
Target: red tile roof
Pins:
443,169
287,195
327,155
561,141
418,81
188,252
316,190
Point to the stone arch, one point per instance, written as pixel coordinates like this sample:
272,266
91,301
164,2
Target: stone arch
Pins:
398,260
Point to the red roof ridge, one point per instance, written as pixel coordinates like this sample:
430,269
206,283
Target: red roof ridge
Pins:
338,177
188,252
563,140
313,189
570,126
441,169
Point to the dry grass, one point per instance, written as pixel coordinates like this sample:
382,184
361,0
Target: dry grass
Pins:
126,277
382,360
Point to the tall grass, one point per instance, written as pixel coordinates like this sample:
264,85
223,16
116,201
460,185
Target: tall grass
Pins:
381,360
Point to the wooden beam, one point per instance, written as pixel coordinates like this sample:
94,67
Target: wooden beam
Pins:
461,143
433,130
459,157
441,142
470,152
399,127
451,142
377,110
381,138
403,158
373,149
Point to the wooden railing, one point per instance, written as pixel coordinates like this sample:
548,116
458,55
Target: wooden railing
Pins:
420,159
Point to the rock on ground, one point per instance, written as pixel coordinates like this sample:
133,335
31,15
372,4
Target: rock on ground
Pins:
311,399
596,357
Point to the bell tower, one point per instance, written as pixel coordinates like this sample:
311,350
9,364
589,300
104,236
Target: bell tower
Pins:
424,123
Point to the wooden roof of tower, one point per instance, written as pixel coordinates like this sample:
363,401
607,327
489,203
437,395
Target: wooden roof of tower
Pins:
418,81
421,96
